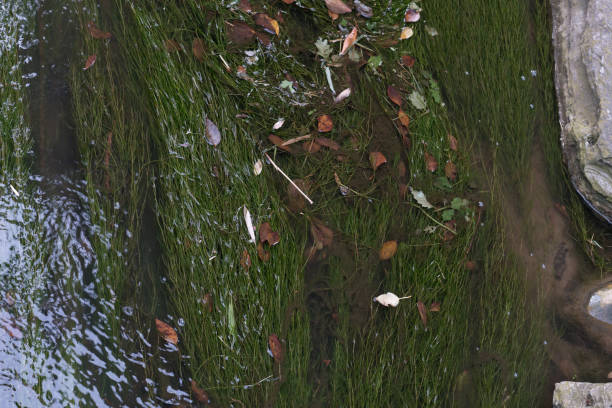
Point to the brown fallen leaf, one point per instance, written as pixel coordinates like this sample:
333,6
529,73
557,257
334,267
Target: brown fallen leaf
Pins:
90,61
199,394
435,307
268,23
311,146
321,234
278,142
288,1
266,234
172,46
207,302
450,170
295,199
431,162
387,251
276,348
422,312
332,15
325,123
245,260
403,118
377,159
96,32
238,32
213,136
198,48
262,253
264,39
452,142
452,224
337,6
327,362
394,95
330,144
349,41
407,61
166,332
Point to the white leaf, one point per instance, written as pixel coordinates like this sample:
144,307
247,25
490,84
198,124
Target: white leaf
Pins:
420,198
342,95
249,223
258,167
417,100
279,124
388,299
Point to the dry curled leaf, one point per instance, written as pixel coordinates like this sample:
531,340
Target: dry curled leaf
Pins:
96,32
407,61
280,143
403,118
431,162
325,123
90,61
262,253
266,234
166,332
387,251
239,32
245,260
199,394
422,312
198,48
268,23
394,95
276,348
321,234
452,142
349,41
213,136
450,170
337,6
377,159
330,144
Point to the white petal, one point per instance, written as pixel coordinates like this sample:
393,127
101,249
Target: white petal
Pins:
279,124
343,95
249,223
387,299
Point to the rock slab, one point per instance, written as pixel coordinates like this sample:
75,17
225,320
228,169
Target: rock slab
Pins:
582,39
570,394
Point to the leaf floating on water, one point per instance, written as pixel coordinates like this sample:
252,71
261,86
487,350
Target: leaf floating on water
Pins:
199,394
377,159
422,312
90,61
239,32
420,198
249,223
431,162
389,299
403,118
412,16
337,6
406,33
258,167
198,48
268,23
213,136
363,10
394,95
342,95
417,100
166,332
266,234
450,170
349,41
276,348
325,123
452,142
279,124
96,32
387,251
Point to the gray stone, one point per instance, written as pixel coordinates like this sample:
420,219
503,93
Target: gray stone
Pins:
570,394
600,304
582,39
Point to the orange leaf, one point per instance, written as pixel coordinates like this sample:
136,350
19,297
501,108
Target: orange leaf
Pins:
166,332
276,348
337,6
324,141
377,159
311,146
199,394
333,15
268,23
325,123
96,32
403,117
90,61
435,307
349,41
387,251
407,60
422,312
239,32
198,48
245,261
450,170
431,162
452,142
278,142
266,234
394,95
262,253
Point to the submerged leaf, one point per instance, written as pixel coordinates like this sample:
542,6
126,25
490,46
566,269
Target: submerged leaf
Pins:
166,332
90,61
431,162
321,234
349,41
198,48
435,307
199,394
422,312
266,234
245,260
280,143
213,136
172,46
377,159
387,251
324,141
268,23
394,95
276,348
262,253
325,123
239,32
96,32
337,6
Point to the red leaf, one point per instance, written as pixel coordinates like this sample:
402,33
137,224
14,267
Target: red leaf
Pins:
377,159
394,95
431,162
422,312
278,142
90,61
166,332
276,348
325,123
321,234
266,234
96,32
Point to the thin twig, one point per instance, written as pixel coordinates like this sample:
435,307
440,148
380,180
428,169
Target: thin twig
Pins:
287,177
295,140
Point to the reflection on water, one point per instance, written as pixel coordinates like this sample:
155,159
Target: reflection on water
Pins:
61,344
600,304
